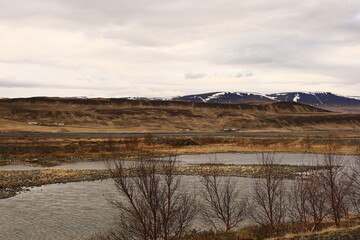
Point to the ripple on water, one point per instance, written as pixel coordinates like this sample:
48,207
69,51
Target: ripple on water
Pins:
58,211
70,211
79,210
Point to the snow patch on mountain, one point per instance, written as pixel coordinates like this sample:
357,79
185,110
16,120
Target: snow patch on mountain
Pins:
296,98
214,96
318,98
353,97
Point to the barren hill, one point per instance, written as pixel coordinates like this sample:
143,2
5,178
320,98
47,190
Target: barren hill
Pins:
123,115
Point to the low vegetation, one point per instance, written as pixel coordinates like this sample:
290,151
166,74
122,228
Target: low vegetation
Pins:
13,181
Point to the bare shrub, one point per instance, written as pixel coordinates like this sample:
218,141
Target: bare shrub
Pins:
151,205
269,194
322,193
308,205
110,144
335,182
132,143
354,177
149,139
224,203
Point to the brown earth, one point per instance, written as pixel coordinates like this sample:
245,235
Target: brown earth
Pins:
121,115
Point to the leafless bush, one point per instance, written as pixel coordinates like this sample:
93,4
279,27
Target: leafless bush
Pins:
149,139
110,144
132,143
269,194
335,182
308,205
224,204
354,177
151,205
322,193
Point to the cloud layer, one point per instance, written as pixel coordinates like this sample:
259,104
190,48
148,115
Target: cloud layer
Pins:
164,48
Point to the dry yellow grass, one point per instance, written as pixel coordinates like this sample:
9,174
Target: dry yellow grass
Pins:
106,115
332,233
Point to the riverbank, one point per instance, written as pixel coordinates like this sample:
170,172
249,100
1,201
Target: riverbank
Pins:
14,181
55,151
350,230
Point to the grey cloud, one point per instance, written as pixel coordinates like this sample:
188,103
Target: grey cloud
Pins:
175,36
191,75
16,84
240,74
244,74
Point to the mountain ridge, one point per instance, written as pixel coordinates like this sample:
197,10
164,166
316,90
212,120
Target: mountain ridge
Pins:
326,100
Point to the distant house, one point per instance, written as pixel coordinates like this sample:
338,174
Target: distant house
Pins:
185,129
45,124
53,124
229,130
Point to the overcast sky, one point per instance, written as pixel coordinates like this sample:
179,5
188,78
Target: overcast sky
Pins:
162,48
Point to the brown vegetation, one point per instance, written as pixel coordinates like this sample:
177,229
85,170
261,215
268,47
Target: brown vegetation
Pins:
12,181
224,206
269,195
121,115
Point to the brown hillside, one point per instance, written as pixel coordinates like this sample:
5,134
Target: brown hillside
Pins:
122,115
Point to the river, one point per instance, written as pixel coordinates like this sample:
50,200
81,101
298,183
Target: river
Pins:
80,210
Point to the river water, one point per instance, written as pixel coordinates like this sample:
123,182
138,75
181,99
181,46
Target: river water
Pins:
80,210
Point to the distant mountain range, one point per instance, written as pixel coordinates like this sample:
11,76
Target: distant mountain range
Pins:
326,100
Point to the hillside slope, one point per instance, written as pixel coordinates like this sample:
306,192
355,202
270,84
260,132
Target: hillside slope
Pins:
122,115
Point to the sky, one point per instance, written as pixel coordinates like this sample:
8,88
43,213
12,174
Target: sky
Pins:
165,48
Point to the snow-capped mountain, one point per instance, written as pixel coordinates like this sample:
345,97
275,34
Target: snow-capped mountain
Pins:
318,99
226,97
324,100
